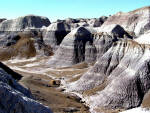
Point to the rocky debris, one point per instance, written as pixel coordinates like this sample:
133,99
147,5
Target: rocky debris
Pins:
2,19
123,76
25,22
80,45
55,33
136,21
15,98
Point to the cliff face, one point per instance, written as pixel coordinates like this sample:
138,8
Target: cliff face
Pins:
136,21
55,33
72,48
115,51
81,46
14,97
25,22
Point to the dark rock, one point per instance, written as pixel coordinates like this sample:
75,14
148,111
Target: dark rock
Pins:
72,49
24,44
55,33
80,45
23,23
2,19
15,98
14,75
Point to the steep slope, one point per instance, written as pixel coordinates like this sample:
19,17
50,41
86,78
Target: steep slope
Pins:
55,33
137,21
144,39
121,77
25,22
72,48
81,45
15,98
23,45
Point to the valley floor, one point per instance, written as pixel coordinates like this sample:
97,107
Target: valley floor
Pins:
44,88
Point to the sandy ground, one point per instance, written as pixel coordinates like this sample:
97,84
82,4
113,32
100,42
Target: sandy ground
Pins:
36,78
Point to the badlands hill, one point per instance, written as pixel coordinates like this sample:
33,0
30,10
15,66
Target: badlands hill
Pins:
14,97
105,61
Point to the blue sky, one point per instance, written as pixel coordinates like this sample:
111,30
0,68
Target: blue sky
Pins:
60,9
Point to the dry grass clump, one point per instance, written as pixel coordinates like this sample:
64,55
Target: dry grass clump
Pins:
146,100
24,47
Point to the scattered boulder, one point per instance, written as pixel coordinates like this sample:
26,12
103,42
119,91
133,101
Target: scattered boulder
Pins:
54,83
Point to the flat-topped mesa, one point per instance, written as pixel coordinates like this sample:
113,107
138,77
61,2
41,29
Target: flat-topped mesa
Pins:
25,22
119,79
16,98
55,33
137,21
72,48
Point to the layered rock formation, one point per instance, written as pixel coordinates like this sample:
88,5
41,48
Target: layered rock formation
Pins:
144,39
122,77
136,21
15,98
80,45
119,79
72,48
55,33
23,23
23,45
